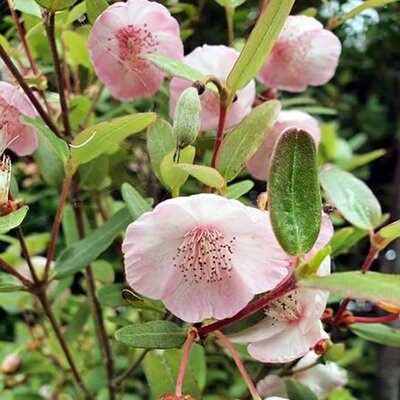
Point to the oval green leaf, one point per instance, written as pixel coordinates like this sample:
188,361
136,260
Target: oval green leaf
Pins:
386,235
245,139
55,5
97,139
259,44
293,192
135,203
207,175
377,333
152,335
12,220
373,286
298,391
95,8
352,197
239,189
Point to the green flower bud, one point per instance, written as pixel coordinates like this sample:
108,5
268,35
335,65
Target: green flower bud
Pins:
186,124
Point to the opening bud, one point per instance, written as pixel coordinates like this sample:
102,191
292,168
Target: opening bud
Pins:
10,364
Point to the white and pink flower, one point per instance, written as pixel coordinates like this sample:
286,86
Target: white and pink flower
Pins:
305,54
204,256
217,61
258,165
292,327
21,139
120,38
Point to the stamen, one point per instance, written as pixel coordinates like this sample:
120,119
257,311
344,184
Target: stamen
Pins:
204,254
285,308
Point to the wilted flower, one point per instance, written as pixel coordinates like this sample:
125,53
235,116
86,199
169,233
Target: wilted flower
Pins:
293,325
121,37
204,256
216,61
305,54
258,165
20,138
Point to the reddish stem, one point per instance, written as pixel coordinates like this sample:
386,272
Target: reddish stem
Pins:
376,320
186,352
26,282
220,133
224,340
288,284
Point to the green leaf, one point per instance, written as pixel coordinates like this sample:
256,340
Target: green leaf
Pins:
97,139
75,13
58,146
207,175
386,235
245,139
160,141
161,369
363,159
311,267
239,189
95,8
152,335
259,43
75,327
28,7
362,7
197,362
134,201
293,192
352,197
77,49
373,286
377,333
103,271
94,175
56,5
171,175
9,284
12,220
111,295
79,107
230,3
79,255
345,238
298,391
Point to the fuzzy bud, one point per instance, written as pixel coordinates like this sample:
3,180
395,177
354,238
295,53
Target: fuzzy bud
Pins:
10,364
186,124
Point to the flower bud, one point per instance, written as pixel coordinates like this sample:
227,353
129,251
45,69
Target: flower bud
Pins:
10,364
5,179
186,125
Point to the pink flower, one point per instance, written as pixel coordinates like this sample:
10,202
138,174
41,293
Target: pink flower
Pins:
217,61
120,38
305,54
258,165
204,256
20,138
293,325
271,385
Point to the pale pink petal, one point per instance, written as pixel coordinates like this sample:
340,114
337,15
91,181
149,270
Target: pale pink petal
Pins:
325,234
288,345
305,54
121,37
20,138
217,61
258,165
272,385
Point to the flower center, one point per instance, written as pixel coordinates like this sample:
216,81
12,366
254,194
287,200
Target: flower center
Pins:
285,308
204,255
133,41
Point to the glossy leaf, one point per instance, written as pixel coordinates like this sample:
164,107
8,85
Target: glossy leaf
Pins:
239,189
377,333
28,7
386,235
134,201
13,219
80,254
298,391
293,192
160,141
311,267
97,139
152,335
77,49
172,176
56,5
161,369
363,159
259,43
352,197
371,286
245,139
58,146
207,175
95,8
344,239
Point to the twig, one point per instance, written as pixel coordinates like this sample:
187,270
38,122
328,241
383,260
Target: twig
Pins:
26,282
120,378
19,78
93,106
50,30
185,358
26,254
220,133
